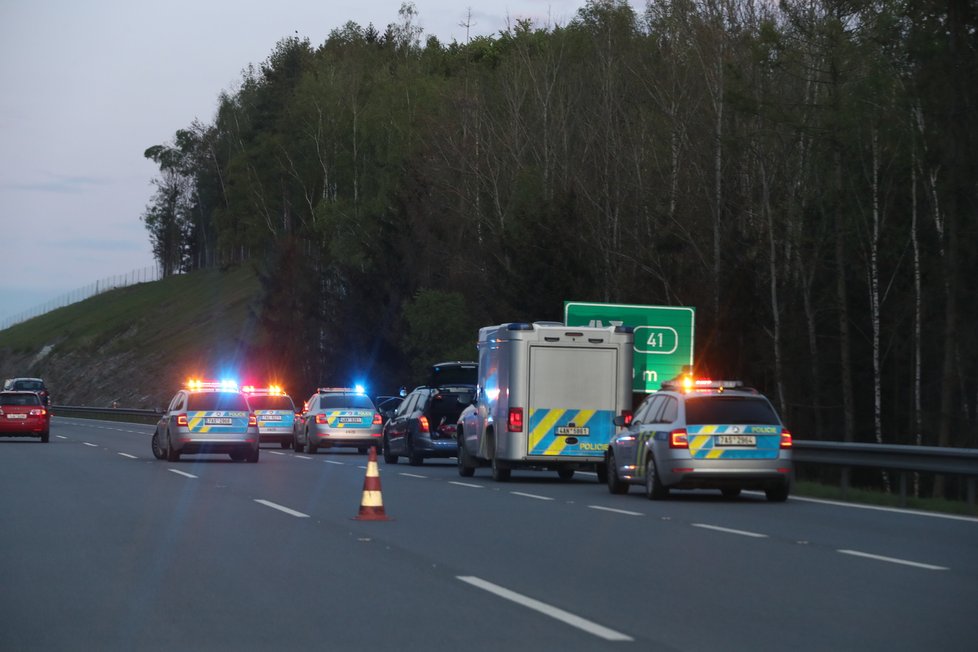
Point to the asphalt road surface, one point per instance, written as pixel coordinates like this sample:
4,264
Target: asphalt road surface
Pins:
106,548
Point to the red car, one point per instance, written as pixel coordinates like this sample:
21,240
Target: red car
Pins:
23,414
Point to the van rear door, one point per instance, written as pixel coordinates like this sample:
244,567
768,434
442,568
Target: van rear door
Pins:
572,400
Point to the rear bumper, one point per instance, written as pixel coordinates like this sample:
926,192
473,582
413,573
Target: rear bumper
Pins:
354,439
429,447
743,476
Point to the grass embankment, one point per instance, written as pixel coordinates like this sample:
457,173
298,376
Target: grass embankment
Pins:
869,497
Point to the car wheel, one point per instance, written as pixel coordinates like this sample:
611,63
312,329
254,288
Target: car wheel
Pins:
171,454
565,474
601,470
286,444
615,484
500,472
237,456
157,450
414,457
466,465
654,489
777,493
310,447
296,445
45,437
362,449
730,492
389,457
251,457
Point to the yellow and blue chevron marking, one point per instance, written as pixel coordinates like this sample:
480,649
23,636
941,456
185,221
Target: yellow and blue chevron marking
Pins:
197,422
702,443
349,418
542,438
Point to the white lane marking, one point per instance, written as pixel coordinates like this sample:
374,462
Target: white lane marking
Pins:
303,457
587,473
61,437
547,610
334,462
276,452
413,475
520,493
616,511
186,475
878,508
465,484
290,512
362,467
92,445
892,560
743,533
132,457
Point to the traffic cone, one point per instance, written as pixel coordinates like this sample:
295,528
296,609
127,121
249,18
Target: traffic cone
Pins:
372,504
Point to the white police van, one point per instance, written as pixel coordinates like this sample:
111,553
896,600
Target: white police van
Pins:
546,398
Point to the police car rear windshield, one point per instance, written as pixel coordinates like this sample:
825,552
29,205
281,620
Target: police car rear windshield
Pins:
217,401
729,409
333,401
19,399
270,403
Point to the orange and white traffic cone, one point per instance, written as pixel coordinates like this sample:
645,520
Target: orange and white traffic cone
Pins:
372,503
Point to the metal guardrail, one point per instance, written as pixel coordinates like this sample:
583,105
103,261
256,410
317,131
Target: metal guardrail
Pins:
894,457
135,412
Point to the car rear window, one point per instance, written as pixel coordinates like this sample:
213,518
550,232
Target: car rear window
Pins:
334,401
19,399
29,385
271,403
729,409
217,401
454,374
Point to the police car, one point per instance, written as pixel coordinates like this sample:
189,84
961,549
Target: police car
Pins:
338,416
207,417
274,411
695,434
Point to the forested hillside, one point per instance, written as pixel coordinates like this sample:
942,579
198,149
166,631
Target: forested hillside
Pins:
802,173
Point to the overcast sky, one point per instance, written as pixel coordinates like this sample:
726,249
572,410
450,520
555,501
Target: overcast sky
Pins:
87,85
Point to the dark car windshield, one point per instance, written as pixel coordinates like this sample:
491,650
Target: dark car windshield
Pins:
19,399
271,403
334,401
28,385
454,373
729,409
217,401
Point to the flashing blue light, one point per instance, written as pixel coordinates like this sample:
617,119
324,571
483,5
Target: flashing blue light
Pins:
359,389
228,384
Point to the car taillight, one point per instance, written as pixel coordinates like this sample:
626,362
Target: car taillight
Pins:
378,421
785,439
515,421
627,416
678,439
182,420
321,419
423,423
252,420
38,413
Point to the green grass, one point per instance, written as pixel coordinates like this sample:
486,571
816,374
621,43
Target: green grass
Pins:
871,497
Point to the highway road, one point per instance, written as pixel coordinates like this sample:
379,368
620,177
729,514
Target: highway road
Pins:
105,547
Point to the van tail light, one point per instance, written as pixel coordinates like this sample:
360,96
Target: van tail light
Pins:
786,439
182,420
678,438
515,421
378,421
423,423
321,419
627,416
252,420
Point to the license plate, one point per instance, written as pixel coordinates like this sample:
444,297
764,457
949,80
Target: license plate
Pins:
271,417
736,440
573,431
16,416
218,421
350,419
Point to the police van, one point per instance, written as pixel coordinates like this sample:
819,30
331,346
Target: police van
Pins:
546,398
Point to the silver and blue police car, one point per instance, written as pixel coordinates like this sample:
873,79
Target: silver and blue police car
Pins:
702,434
207,417
275,412
338,416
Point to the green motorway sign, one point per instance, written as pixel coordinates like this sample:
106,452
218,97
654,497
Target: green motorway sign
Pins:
663,336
